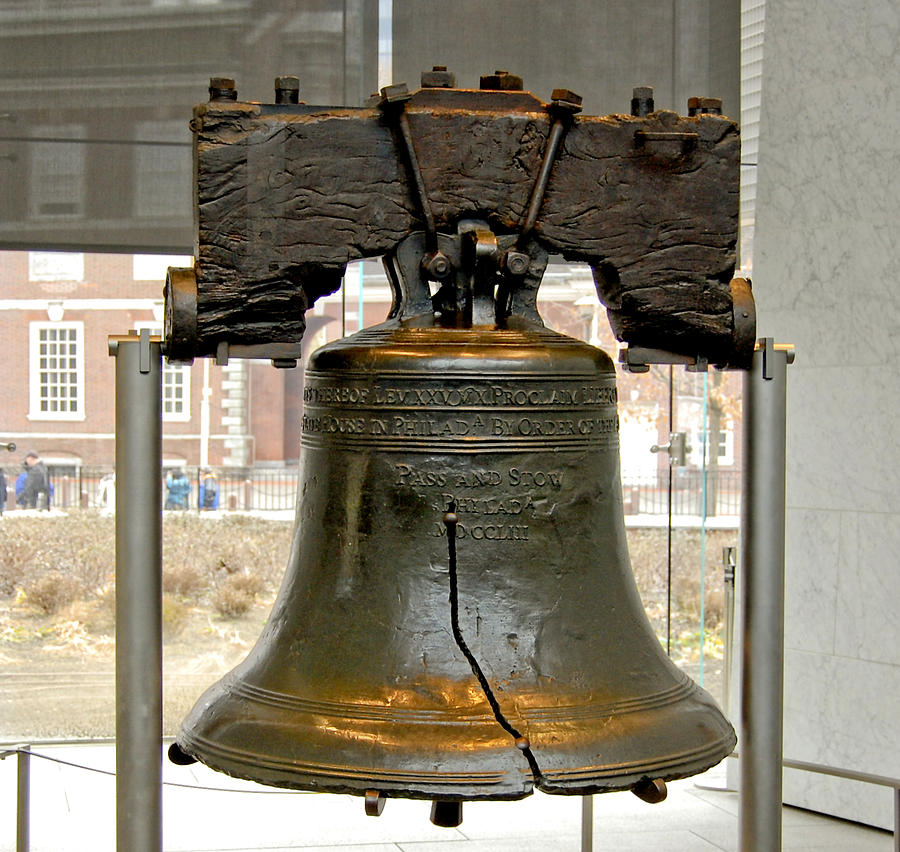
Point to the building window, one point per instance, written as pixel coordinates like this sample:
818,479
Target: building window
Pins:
57,171
176,390
720,447
55,266
57,371
162,168
176,384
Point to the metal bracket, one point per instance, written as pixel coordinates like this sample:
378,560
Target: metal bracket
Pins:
677,448
282,355
637,359
144,351
393,104
768,347
564,107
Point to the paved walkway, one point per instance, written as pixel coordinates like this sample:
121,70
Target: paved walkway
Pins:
74,810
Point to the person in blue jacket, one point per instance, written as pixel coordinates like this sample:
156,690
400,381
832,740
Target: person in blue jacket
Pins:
209,490
178,489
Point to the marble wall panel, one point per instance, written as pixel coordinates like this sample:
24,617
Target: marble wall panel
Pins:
842,437
867,625
826,256
814,544
841,712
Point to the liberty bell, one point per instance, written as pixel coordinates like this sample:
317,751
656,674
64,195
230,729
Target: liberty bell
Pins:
458,619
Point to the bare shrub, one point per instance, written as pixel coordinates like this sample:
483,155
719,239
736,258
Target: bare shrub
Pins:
237,594
16,554
184,578
53,591
175,615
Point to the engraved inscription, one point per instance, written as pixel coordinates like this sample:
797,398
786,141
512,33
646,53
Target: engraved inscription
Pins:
484,396
485,532
414,425
514,477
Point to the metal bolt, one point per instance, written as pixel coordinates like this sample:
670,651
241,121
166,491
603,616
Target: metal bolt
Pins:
222,89
501,81
642,100
704,106
517,262
287,90
398,93
565,101
438,78
437,265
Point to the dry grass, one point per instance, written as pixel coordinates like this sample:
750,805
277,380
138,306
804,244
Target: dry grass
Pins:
65,564
221,566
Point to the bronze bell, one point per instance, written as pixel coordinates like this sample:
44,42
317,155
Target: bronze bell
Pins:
458,619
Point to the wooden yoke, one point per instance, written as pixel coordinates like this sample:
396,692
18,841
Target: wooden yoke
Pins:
288,194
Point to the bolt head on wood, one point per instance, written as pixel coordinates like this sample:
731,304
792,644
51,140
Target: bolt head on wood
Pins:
398,93
438,78
566,100
222,89
289,83
704,106
287,90
501,81
642,100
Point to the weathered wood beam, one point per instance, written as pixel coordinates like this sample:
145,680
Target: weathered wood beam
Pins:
288,195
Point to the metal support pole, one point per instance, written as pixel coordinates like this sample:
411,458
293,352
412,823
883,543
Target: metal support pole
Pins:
138,593
762,574
896,819
23,798
587,823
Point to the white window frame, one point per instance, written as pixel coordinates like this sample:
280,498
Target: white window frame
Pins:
55,266
162,174
35,369
58,171
726,457
169,372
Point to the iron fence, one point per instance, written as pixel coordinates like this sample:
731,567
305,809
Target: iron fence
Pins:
650,495
270,489
236,489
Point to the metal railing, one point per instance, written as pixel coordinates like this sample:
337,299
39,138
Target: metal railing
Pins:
650,495
237,489
275,488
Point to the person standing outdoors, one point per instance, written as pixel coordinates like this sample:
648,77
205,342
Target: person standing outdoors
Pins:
36,493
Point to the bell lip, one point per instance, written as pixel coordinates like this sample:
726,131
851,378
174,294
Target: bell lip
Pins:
548,784
507,789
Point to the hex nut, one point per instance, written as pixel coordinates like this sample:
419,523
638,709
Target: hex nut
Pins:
501,81
517,262
566,101
437,265
704,106
438,78
395,94
222,89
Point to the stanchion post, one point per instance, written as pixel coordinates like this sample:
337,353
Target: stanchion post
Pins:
762,574
587,823
23,798
138,593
